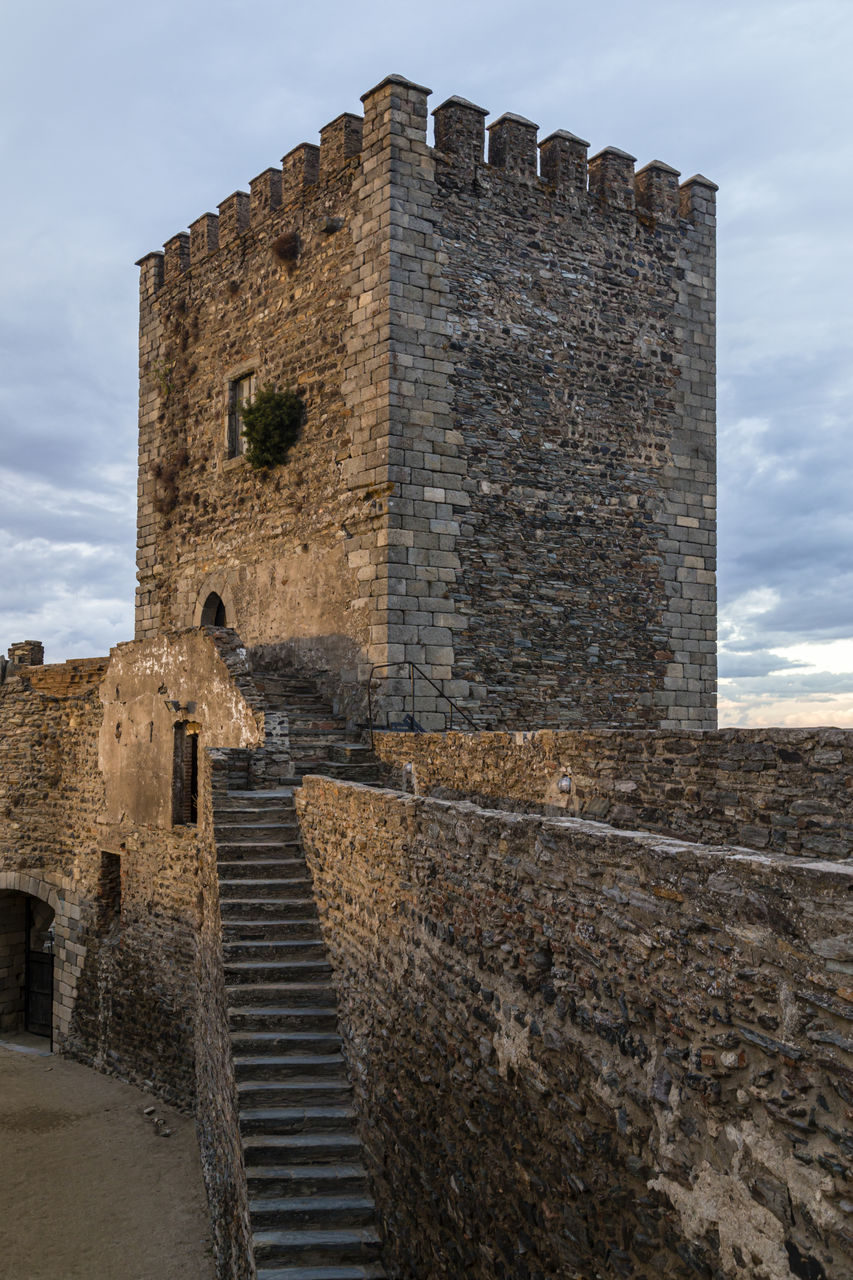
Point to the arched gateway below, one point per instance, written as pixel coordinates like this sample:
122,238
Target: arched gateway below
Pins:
213,612
26,963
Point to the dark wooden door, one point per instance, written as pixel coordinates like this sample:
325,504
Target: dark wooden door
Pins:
38,995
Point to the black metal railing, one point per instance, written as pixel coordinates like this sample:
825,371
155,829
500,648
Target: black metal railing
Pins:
409,722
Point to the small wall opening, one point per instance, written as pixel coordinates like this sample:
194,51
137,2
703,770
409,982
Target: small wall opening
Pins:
185,775
213,612
26,964
109,891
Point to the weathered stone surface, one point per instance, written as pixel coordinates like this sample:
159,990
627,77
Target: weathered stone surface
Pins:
787,790
582,1051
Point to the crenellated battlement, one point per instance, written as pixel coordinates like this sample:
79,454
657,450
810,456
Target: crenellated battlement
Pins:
559,163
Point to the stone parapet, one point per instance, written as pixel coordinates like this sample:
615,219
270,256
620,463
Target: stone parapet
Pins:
785,790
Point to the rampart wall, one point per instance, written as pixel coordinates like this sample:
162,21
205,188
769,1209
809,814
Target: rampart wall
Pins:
586,1052
785,790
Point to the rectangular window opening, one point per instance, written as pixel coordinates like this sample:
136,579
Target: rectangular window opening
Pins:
240,392
109,890
185,776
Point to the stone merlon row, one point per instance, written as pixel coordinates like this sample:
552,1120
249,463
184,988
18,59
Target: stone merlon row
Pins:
559,161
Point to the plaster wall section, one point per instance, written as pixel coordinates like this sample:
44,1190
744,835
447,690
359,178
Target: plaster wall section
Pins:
150,686
581,312
582,1051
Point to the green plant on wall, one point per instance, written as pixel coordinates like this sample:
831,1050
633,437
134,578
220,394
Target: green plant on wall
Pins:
271,424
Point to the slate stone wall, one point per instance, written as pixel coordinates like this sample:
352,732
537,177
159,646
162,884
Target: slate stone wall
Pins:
216,1095
581,320
586,1052
786,790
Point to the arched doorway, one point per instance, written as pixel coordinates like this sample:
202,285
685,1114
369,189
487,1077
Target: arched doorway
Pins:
26,964
213,612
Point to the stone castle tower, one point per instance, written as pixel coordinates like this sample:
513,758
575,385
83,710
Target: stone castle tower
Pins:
506,470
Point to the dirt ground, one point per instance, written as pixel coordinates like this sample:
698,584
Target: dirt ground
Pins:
88,1190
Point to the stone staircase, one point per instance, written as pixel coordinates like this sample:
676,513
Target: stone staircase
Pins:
312,1214
319,741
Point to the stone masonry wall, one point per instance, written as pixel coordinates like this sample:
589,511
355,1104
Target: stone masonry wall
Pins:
786,790
124,991
586,1052
264,286
581,323
139,988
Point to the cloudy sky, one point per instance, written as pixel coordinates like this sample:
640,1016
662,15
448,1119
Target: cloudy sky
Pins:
122,123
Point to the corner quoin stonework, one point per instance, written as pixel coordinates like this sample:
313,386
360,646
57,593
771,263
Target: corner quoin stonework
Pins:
506,472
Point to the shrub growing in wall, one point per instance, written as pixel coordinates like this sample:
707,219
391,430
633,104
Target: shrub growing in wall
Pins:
271,425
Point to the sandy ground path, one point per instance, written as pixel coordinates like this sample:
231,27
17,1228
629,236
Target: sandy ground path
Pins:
88,1191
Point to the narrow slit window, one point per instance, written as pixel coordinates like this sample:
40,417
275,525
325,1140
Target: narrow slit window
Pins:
185,776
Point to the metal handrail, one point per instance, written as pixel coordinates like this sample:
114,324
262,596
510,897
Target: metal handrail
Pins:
414,670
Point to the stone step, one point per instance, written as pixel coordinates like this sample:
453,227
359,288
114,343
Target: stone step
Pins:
271,908
290,888
294,928
250,972
250,806
356,1271
255,832
261,850
255,868
319,994
282,1017
309,1179
301,720
367,773
271,1121
295,1066
258,795
279,678
258,1044
293,1092
287,1212
307,1148
352,752
347,1244
274,949
319,739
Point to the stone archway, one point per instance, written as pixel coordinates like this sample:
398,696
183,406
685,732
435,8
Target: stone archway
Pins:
214,606
35,911
213,612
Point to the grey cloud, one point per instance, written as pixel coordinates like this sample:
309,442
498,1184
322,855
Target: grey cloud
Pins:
757,662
